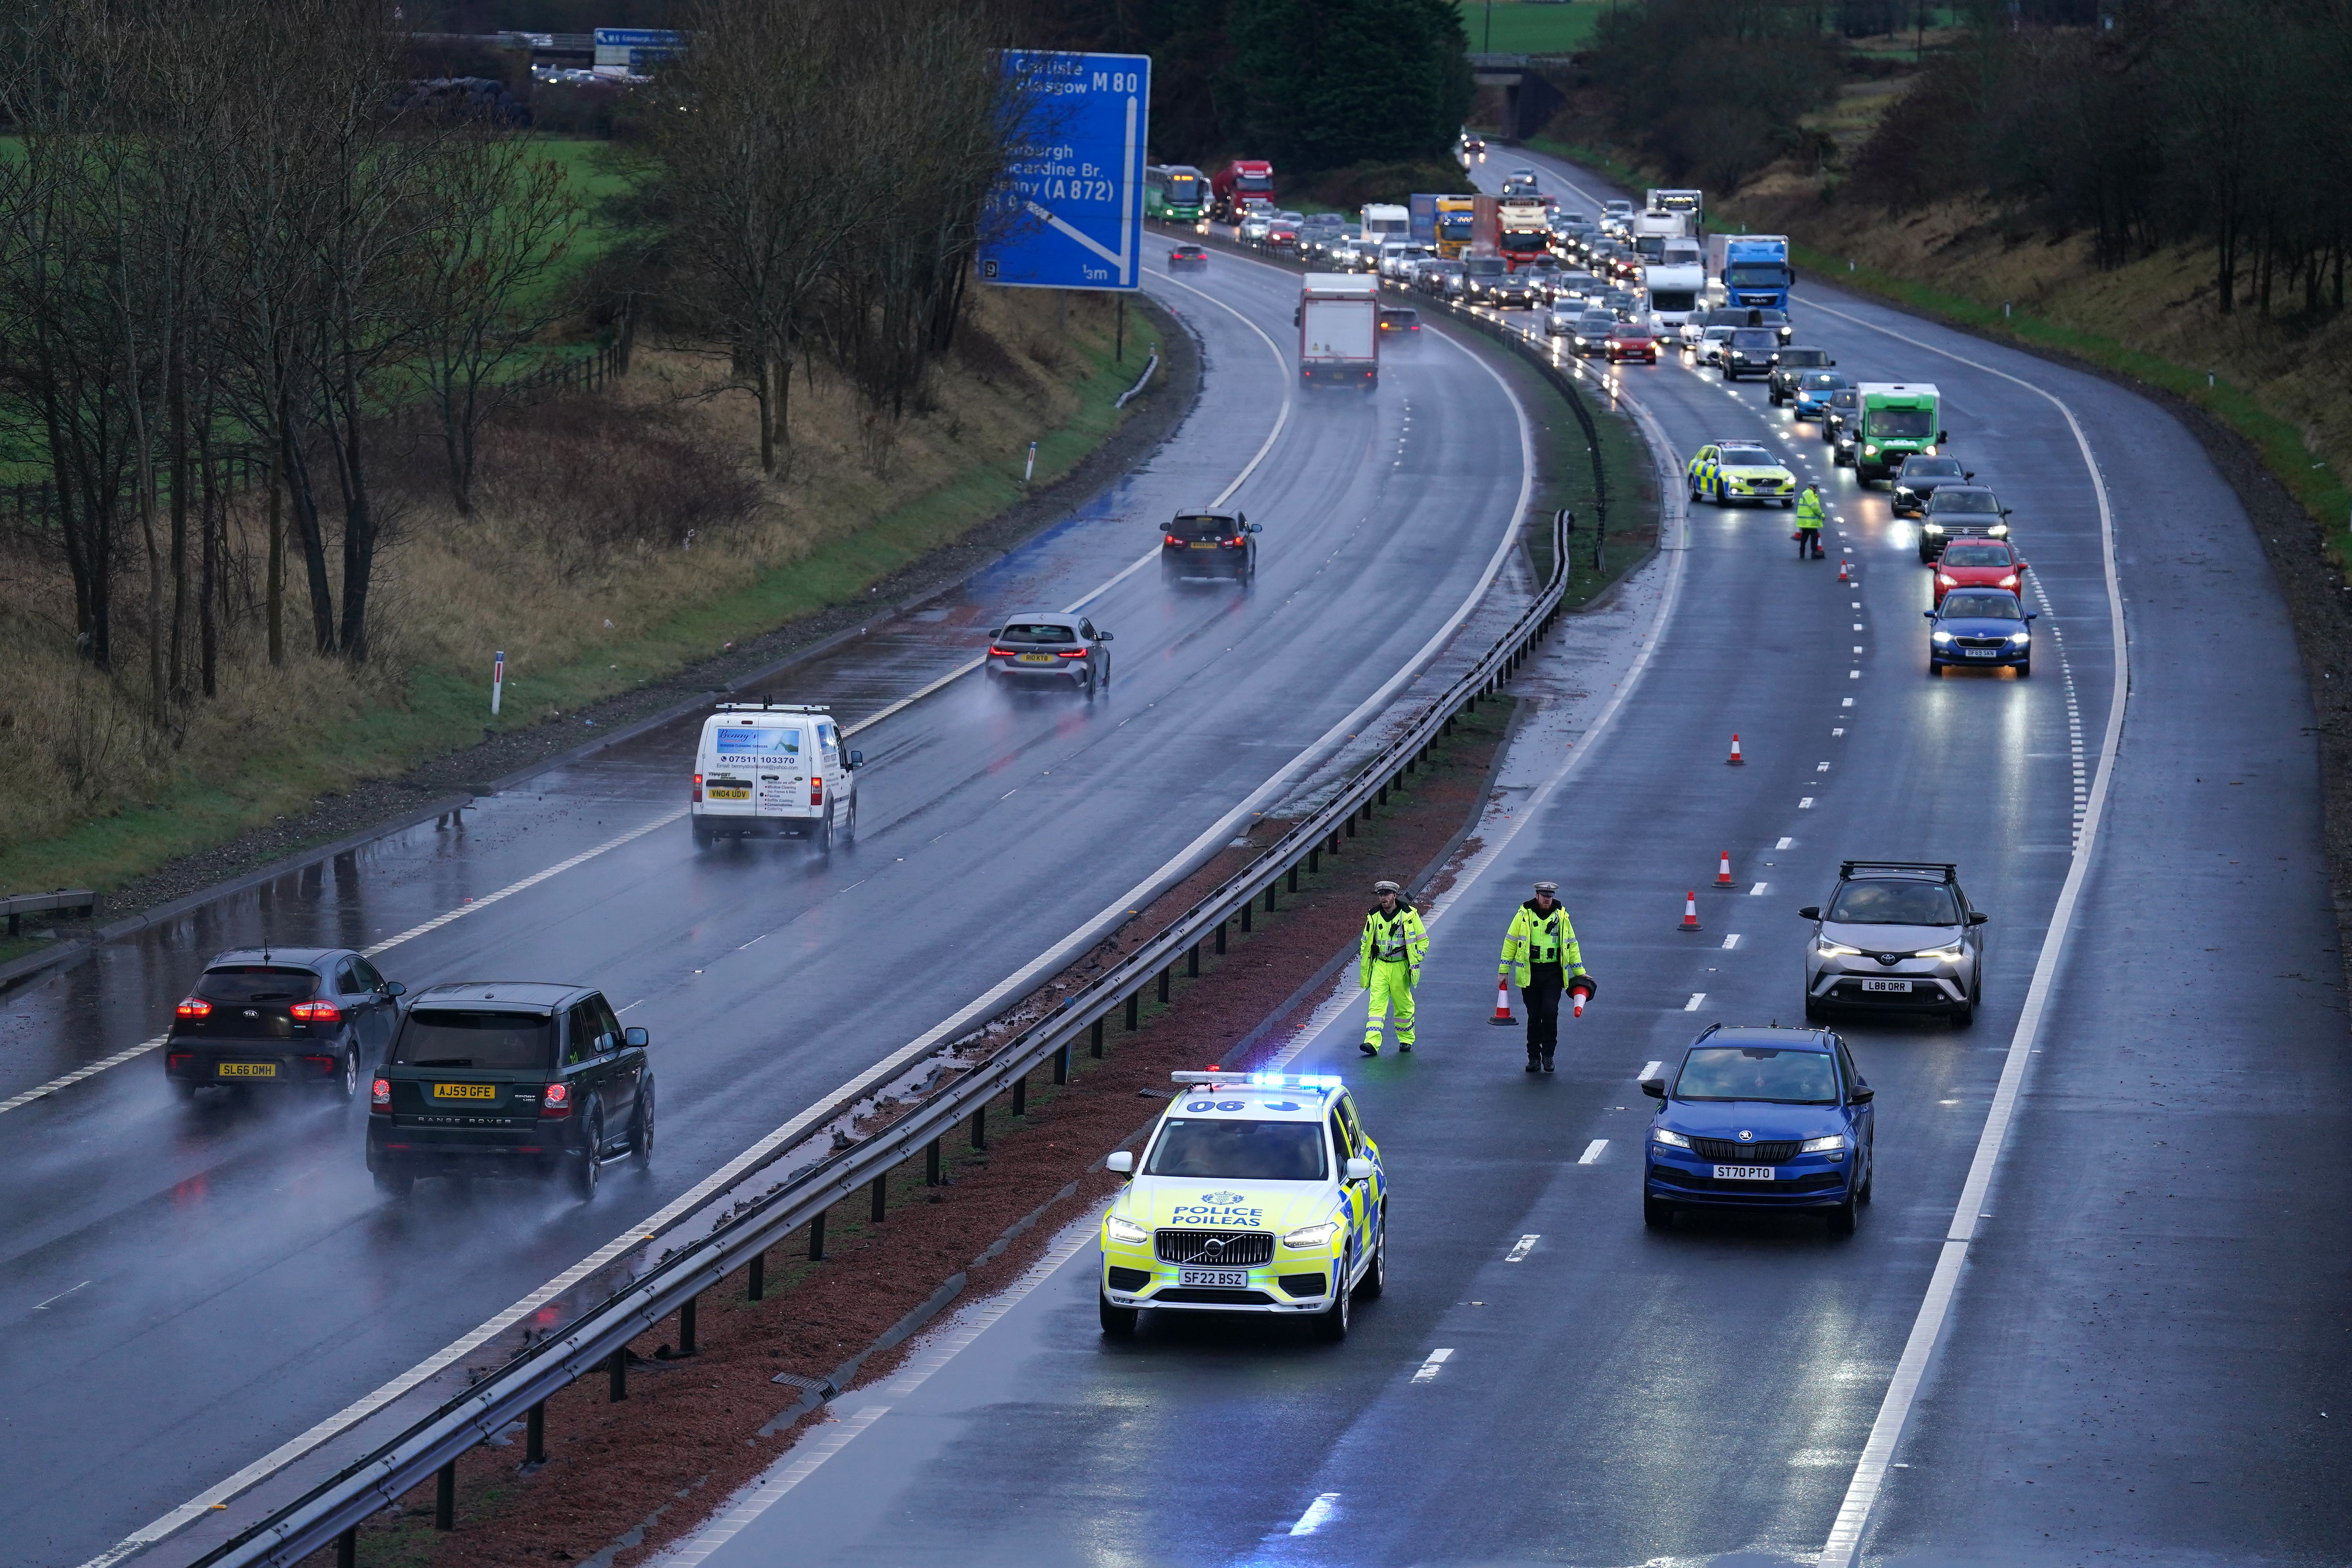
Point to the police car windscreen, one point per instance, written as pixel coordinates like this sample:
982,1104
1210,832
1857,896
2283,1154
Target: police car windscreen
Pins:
1896,903
454,1037
1240,1150
1745,458
256,982
1745,1072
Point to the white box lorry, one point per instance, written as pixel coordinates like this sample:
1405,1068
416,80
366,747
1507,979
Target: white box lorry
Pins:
773,770
1339,330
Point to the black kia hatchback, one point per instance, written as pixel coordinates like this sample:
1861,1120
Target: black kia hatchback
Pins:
509,1078
288,1017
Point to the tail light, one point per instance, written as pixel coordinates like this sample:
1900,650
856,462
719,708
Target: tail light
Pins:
316,1012
816,789
194,1007
1235,542
1173,539
178,1058
556,1102
1073,652
698,789
999,652
380,1097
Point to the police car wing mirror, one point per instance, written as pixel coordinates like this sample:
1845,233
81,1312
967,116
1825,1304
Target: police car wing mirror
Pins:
637,1037
1360,1170
1977,918
1810,912
1123,1161
1655,1087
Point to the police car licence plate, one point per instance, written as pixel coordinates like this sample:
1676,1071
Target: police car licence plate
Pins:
1743,1173
1231,1278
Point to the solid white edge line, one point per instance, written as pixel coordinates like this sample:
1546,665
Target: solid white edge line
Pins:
1011,988
1843,1548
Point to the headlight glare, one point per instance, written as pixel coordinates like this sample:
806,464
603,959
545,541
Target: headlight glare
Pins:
1308,1237
1671,1140
1941,637
1835,1140
1119,1229
2019,640
1942,954
1839,950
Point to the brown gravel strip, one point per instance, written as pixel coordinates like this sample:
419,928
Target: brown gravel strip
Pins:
690,1432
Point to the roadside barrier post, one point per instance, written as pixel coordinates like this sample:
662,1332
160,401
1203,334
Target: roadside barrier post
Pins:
1095,1045
931,1163
881,1195
1192,963
1062,1066
755,1278
347,1548
1220,939
685,1325
445,1497
1293,877
616,1367
1164,975
1134,1011
816,1238
1247,905
1021,1095
534,1435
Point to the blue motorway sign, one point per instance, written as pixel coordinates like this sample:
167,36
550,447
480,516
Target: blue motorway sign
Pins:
1069,211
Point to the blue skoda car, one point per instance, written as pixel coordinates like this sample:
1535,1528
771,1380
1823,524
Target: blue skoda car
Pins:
1760,1118
1985,626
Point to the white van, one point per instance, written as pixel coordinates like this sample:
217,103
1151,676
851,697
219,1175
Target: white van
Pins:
773,770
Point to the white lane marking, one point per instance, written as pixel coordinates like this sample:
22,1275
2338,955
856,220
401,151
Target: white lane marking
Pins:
1757,891
1806,804
1318,1514
1696,997
1527,1244
1847,704
806,1456
61,1296
1823,768
1843,1548
1786,843
1853,674
1836,731
1013,987
1732,941
1592,1151
1427,1373
42,1091
1650,1069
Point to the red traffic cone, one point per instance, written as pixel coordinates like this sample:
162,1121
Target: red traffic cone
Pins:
1502,1003
1690,911
1723,875
1842,572
1735,759
1581,988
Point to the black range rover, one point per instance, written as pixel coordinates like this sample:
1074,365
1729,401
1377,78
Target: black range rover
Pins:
509,1078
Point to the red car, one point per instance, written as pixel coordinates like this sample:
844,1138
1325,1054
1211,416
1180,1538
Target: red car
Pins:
1979,563
1188,257
1629,340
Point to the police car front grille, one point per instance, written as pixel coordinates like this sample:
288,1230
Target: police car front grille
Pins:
1732,1152
1215,1248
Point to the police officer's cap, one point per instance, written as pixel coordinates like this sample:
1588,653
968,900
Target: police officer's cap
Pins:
1547,886
1386,887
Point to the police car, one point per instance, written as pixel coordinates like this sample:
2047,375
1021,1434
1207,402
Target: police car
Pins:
1256,1193
1729,472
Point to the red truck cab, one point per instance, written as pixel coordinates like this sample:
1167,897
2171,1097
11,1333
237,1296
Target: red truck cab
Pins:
1239,179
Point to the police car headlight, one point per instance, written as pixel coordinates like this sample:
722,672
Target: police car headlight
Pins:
1670,1139
1831,1144
1125,1230
1308,1237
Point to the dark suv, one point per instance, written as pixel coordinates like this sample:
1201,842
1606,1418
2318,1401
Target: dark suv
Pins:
1209,544
1789,368
1750,351
509,1078
282,1017
1920,477
1959,511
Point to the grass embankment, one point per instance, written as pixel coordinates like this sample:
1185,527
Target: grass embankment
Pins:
621,536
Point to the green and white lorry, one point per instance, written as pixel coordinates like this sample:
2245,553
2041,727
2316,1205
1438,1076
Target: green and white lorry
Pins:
1893,420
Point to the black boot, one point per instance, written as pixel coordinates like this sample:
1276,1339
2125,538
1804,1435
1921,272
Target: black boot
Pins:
1546,1061
1535,1063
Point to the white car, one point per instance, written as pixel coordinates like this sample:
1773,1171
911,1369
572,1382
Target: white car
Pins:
773,770
1559,321
1256,1193
1710,343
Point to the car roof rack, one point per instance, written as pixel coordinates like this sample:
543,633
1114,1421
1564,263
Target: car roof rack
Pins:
1943,870
766,707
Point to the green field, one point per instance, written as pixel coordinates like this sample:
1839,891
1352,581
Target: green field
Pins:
1527,27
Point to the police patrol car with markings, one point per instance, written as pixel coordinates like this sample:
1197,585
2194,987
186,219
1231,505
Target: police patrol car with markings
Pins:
1255,1192
1727,471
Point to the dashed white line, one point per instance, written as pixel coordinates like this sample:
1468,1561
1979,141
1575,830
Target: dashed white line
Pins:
1757,891
1318,1514
1733,940
1650,1069
1428,1369
1806,804
1592,1151
1527,1244
1696,997
1786,843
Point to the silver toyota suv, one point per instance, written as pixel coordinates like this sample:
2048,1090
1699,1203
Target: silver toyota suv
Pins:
1898,934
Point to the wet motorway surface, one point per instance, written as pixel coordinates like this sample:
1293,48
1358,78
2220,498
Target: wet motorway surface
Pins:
188,1286
2146,1360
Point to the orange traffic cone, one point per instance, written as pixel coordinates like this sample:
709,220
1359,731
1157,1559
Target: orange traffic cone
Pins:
1735,759
1503,1004
1723,875
1581,988
1690,911
1842,575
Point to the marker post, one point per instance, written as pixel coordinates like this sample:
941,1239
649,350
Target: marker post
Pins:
497,681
